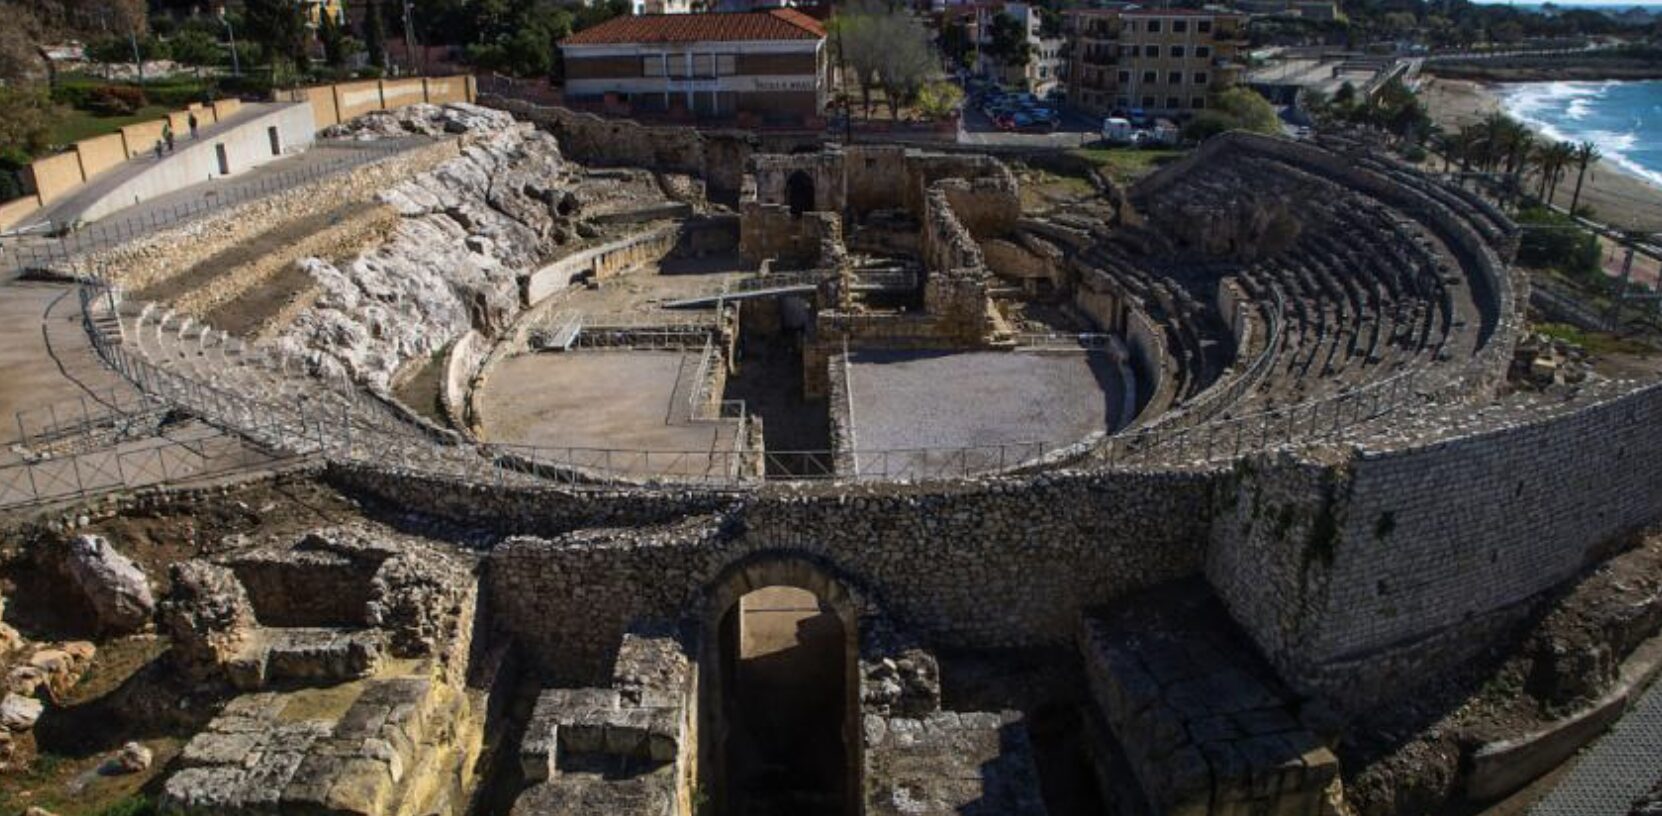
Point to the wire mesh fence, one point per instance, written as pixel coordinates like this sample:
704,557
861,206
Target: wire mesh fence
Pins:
341,423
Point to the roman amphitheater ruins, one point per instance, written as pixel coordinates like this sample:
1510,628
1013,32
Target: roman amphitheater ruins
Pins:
659,471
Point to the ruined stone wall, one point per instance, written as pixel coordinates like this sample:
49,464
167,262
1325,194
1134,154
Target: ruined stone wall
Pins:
1360,576
770,231
999,563
159,255
717,157
601,262
877,178
924,169
825,169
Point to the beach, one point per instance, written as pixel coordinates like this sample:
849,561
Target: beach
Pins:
1617,197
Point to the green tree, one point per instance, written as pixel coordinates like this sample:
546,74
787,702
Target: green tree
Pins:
1007,41
937,100
375,34
280,27
1553,240
334,42
1586,155
26,119
195,48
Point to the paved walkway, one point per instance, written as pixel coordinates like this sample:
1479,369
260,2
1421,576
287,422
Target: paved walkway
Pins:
68,209
50,367
1620,767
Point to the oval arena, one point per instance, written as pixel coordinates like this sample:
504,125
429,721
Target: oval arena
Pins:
681,472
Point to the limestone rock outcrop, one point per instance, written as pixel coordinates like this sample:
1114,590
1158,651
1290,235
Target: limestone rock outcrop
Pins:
470,228
114,587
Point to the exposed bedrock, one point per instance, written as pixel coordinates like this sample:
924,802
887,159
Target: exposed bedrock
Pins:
469,229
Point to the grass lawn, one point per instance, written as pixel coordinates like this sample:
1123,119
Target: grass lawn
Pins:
76,125
1126,164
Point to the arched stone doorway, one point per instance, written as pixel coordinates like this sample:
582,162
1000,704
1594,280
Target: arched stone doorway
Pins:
799,192
778,691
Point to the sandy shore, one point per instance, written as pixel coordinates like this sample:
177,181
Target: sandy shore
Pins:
1616,196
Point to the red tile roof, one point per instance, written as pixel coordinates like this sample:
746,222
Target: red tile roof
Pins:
778,24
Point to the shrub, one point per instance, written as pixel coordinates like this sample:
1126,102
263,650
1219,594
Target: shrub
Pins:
1557,242
116,100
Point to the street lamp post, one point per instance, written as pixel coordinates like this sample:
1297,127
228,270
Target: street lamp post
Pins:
231,35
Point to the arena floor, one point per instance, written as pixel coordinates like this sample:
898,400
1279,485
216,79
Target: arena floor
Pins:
920,399
600,400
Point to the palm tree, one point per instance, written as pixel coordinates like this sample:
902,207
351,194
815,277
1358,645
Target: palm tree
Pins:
1552,159
1586,154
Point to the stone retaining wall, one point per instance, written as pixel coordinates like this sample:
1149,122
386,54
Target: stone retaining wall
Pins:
1000,563
1359,575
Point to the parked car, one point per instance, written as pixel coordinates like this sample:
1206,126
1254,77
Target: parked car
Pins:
1139,118
1117,131
1030,124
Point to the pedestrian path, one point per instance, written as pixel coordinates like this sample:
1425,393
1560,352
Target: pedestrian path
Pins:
1618,769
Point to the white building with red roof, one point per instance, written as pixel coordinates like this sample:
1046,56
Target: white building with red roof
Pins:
768,66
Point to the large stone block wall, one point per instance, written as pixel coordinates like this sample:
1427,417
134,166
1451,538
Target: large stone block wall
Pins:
1355,575
601,262
1002,563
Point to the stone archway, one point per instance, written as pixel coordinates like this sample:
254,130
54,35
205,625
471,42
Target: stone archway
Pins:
825,660
799,192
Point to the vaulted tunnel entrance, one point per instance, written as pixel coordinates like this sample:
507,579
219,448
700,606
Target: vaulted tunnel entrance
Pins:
778,710
799,192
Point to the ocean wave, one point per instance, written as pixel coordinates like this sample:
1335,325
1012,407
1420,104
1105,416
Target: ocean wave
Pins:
1608,114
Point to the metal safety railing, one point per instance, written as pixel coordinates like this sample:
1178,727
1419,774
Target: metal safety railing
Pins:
343,424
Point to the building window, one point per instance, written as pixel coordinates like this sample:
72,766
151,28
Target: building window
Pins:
1203,51
1203,26
1179,26
1125,77
726,64
652,66
1198,103
1131,26
1151,50
1154,26
1177,51
1148,101
1150,77
703,65
1123,102
1174,78
1200,77
1173,103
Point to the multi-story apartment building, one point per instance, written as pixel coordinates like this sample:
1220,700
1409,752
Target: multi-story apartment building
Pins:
661,7
1044,67
767,65
1164,61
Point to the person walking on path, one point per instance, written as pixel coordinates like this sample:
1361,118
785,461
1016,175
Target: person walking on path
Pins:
167,135
158,150
192,121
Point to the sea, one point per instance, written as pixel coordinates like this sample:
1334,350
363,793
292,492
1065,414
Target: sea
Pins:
1623,118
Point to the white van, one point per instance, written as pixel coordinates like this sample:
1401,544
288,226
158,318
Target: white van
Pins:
1117,131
